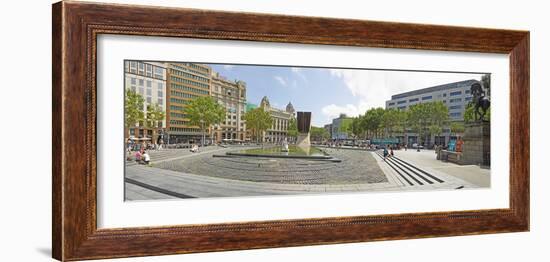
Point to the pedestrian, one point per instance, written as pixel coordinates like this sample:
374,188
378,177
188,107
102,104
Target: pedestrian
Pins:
385,153
146,158
138,156
391,151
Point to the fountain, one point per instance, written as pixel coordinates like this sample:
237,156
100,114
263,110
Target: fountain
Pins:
285,146
302,149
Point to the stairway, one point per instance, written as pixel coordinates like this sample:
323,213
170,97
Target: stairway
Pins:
409,173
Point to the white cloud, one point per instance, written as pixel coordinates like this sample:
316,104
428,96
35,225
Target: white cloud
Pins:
281,80
299,72
333,111
375,86
228,67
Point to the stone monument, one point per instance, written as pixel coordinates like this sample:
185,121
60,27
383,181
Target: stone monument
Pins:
303,122
477,134
477,144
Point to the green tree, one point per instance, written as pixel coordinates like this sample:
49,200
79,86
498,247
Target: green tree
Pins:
133,109
457,128
258,120
318,134
402,123
372,121
154,115
346,126
390,121
292,130
357,127
204,112
428,118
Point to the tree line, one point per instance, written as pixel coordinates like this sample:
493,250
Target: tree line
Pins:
134,112
425,119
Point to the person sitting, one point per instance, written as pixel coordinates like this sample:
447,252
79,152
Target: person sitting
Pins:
138,156
146,158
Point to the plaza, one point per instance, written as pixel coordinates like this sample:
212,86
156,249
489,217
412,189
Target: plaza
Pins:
178,173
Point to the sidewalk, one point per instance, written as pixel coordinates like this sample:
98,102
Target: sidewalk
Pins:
427,159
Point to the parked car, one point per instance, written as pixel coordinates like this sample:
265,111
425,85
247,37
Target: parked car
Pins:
417,146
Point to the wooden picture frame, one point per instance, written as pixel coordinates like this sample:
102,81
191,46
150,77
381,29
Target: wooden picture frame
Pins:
76,26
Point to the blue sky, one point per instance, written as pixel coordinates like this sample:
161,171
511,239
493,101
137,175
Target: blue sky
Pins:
328,92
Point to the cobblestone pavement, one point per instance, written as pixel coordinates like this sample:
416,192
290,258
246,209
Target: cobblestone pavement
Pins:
357,167
182,174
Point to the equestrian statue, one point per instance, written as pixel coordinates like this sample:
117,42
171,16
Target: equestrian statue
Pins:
479,101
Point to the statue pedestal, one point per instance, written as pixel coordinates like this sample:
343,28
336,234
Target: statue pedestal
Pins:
477,144
303,140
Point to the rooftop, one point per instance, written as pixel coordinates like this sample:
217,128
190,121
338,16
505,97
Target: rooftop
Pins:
435,88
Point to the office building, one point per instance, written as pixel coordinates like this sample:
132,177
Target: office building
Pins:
185,82
456,96
147,79
232,96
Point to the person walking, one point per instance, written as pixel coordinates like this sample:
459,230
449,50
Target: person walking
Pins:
385,153
391,151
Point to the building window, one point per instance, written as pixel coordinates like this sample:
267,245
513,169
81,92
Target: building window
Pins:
445,95
149,71
413,100
426,98
467,91
468,98
391,104
159,72
133,80
455,107
141,82
149,84
160,93
454,100
402,107
401,102
160,101
149,100
457,114
456,93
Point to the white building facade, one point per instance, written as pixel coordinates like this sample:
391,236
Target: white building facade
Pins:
455,96
148,79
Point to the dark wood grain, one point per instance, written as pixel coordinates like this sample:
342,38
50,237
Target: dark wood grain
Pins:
75,29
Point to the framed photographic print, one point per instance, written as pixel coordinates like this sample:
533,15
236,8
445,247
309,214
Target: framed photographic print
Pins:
194,131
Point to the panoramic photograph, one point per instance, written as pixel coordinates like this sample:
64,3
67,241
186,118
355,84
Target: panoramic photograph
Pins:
204,130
